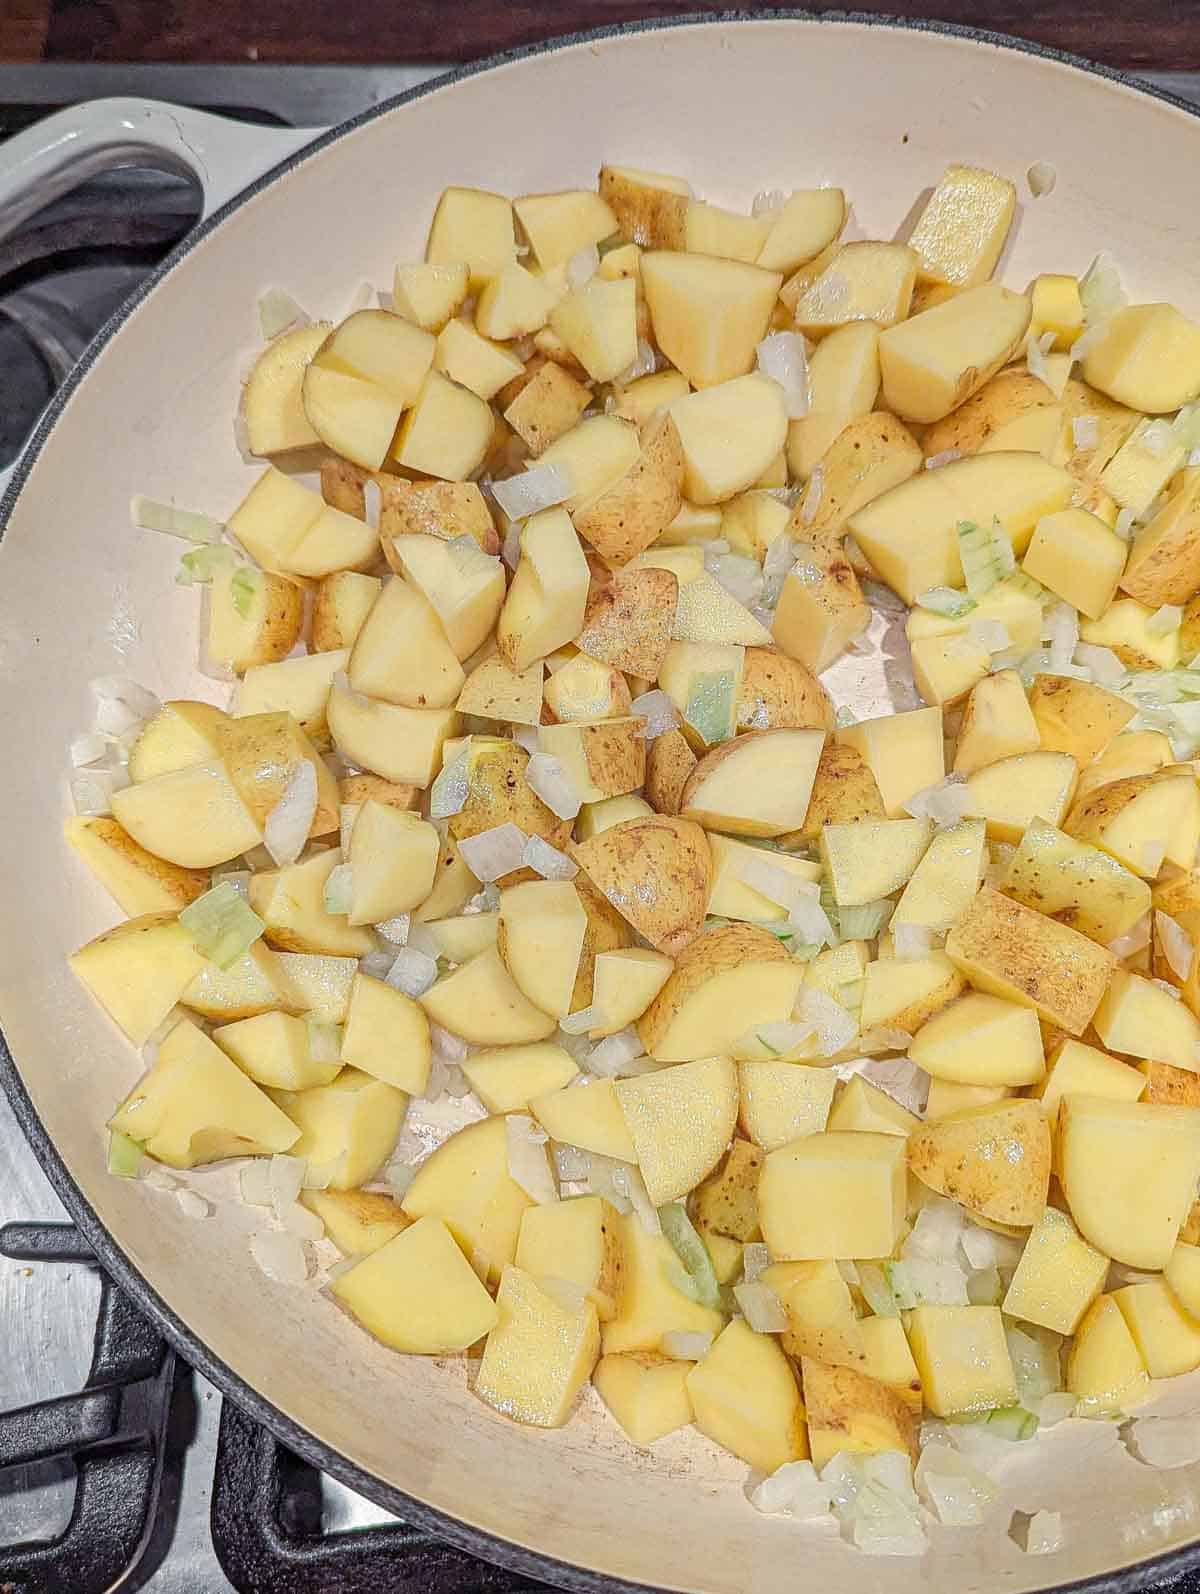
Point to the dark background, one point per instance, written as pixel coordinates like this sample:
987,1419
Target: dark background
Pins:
1162,34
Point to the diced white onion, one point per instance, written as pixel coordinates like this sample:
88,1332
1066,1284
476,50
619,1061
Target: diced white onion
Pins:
1085,431
1036,350
1056,1407
277,312
192,1204
834,1026
1157,438
957,1493
1044,1533
628,1180
812,496
492,854
285,1179
1060,627
740,577
281,1256
874,1502
947,456
448,794
645,363
547,861
159,1179
412,972
779,1039
89,749
579,1022
1137,936
946,803
583,266
768,202
538,488
979,1246
784,358
1165,619
187,524
1124,524
761,1307
91,795
684,1347
395,930
1100,289
1106,668
528,1160
911,942
298,1220
1178,947
1041,178
793,1490
255,1183
899,1078
612,1055
338,892
937,1233
511,550
571,1164
289,822
781,556
659,712
548,777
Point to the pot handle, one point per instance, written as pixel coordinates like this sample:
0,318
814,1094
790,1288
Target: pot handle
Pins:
54,155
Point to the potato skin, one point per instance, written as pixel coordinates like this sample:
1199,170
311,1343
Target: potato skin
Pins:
651,217
727,1202
657,873
844,790
628,620
633,513
543,404
725,947
497,792
375,789
779,693
1000,400
994,1159
841,1400
669,763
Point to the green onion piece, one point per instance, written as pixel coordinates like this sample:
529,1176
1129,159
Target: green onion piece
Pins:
125,1156
877,1292
864,923
1011,1422
197,569
1025,586
244,589
222,924
805,951
987,556
710,706
324,1040
946,601
692,1253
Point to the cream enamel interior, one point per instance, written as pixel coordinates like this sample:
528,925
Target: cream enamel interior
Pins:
735,108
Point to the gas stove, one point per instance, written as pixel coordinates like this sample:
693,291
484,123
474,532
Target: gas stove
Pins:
119,1466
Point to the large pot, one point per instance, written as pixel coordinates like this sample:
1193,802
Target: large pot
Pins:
737,105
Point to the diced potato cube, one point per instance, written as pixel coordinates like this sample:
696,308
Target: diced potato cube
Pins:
598,323
578,1240
1013,792
997,723
903,751
1123,629
1104,1366
993,1159
649,1303
889,1359
1167,1338
357,1221
646,1393
935,361
863,282
1078,557
1058,1277
947,1096
418,1293
139,970
821,608
807,223
745,1397
851,1413
473,361
872,858
1057,308
1148,358
834,1195
472,225
780,1102
981,1040
509,1078
963,226
1076,884
1076,1069
864,1106
1164,561
708,314
467,1184
1141,1019
962,1359
387,1035
447,432
947,877
539,1354
906,993
273,1049
731,431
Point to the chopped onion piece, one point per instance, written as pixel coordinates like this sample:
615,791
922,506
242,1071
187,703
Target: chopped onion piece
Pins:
834,1026
1178,946
1041,178
874,1502
1100,289
91,795
222,925
957,1493
947,456
583,266
1124,524
1060,627
779,1039
255,1183
582,1020
125,1156
338,891
159,1179
659,712
682,1347
946,803
142,704
756,1258
979,1246
645,363
865,921
449,1048
448,794
767,202
89,749
1105,667
739,576
281,1257
937,1233
187,524
1042,1534
946,601
812,496
511,550
277,312
298,1220
899,1078
628,1180
290,821
611,1056
538,488
528,1159
761,1307
783,357
1085,431
572,1164
926,1281
547,861
412,972
1055,1407
395,930
793,1490
987,556
602,1181
1165,619
492,854
548,777
781,556
376,963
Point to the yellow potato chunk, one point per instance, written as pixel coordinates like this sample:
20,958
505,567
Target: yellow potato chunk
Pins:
467,1184
962,1359
1148,358
578,1240
872,858
1164,561
1057,308
680,1121
849,1412
1123,629
997,723
906,993
780,1102
539,1354
387,1035
509,1078
1058,1277
833,1195
708,314
1167,1338
945,880
730,431
475,226
808,222
994,1159
981,1040
821,608
745,1398
962,229
1141,1019
1078,557
889,1359
649,1302
357,1221
864,1106
1076,717
863,282
589,1117
273,1049
418,1293
1011,793
139,970
934,361
1076,1069
1104,1366
646,1394
843,384
481,1002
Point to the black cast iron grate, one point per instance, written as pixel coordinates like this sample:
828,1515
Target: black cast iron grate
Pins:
266,1519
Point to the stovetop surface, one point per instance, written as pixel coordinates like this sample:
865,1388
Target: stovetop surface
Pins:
60,278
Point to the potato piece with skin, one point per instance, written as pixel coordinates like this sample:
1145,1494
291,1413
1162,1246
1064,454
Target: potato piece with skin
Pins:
934,361
645,1393
649,1303
669,764
1130,753
540,940
1167,1338
730,432
181,734
1078,557
136,880
196,1106
728,980
493,691
480,1002
751,522
627,621
850,1413
1123,629
1012,395
539,1354
726,1202
1148,358
357,1221
1139,1018
508,1078
780,1102
139,970
889,1360
254,984
708,314
872,857
401,744
807,223
271,404
473,361
745,1398
820,1312
1075,883
1128,1170
650,207
758,785
299,686
903,751
418,1293
844,791
549,405
513,304
354,790
1011,793
464,586
466,1183
833,1195
706,613
624,983
843,383
981,1040
558,225
865,281
962,228
1104,1367
1058,1277
546,602
1008,950
263,753
606,931
317,985
273,1049
578,1240
680,1121
586,689
1164,561
1076,717
1142,820
254,617
821,609
428,295
947,877
605,759
498,793
595,456
962,1358
343,602
905,994
192,817
291,902
387,1036
656,873
997,723
588,1116
872,454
